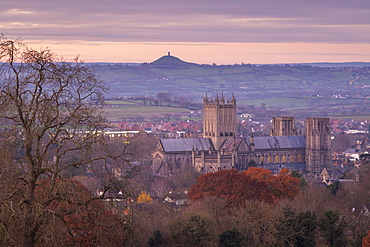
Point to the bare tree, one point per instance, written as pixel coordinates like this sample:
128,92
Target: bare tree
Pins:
160,188
47,113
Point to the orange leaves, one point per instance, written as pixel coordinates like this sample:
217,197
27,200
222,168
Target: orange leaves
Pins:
285,185
254,184
366,240
282,185
230,185
259,173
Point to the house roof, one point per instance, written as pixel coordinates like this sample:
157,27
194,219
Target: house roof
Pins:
187,144
291,166
228,144
277,142
350,151
332,173
205,144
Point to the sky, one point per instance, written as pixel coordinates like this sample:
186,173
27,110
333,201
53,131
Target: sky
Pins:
199,31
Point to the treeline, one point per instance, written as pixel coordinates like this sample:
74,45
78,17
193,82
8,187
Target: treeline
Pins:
167,99
256,208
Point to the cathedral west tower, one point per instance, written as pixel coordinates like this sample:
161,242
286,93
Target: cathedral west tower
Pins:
219,119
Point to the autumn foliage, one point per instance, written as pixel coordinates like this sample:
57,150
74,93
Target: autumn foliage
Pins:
237,187
144,198
366,240
231,185
282,185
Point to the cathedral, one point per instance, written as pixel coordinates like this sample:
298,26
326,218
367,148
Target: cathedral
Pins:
220,149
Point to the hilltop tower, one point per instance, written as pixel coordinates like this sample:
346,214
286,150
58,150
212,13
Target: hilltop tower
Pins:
317,145
219,119
283,126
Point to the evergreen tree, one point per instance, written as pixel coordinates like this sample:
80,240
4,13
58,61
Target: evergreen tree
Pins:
296,230
231,238
332,227
305,226
156,240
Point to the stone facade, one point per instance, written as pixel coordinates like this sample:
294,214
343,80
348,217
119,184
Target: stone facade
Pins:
317,144
219,119
283,126
219,149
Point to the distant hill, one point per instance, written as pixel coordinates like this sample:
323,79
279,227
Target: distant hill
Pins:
171,62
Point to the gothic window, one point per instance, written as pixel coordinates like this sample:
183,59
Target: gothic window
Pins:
277,159
211,169
178,164
158,162
299,158
170,166
269,159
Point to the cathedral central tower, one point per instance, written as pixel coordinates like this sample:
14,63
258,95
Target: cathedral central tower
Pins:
283,126
219,119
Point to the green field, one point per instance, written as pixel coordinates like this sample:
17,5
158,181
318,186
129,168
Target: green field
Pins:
116,114
278,102
126,110
120,102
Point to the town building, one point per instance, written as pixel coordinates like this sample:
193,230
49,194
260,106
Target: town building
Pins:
220,149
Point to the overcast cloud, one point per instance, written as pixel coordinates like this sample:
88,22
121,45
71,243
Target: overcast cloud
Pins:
241,21
190,21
